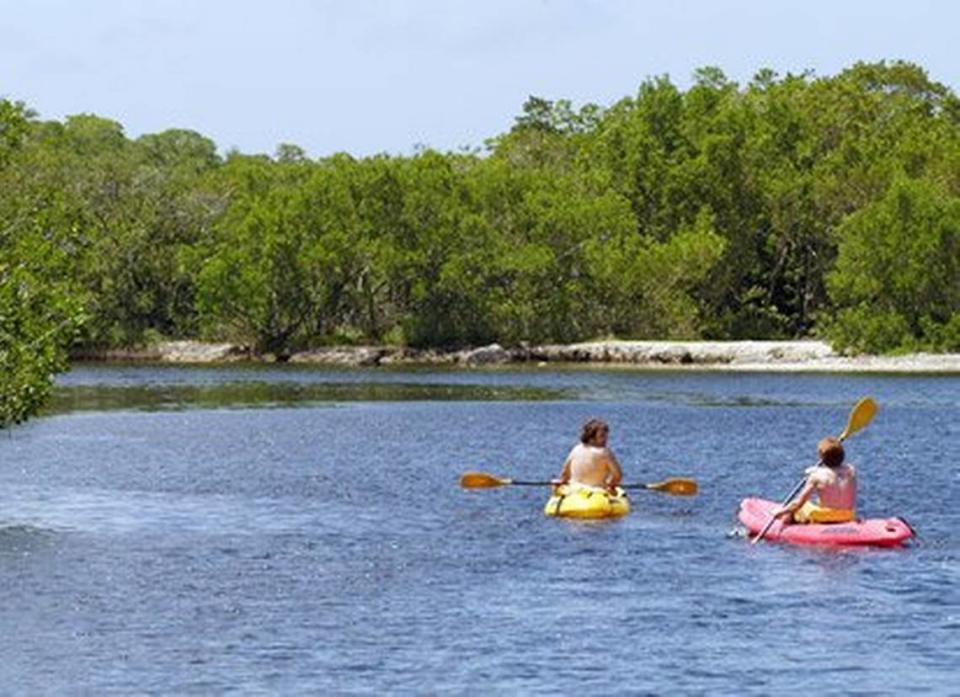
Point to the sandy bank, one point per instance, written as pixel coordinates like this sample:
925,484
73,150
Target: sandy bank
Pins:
745,356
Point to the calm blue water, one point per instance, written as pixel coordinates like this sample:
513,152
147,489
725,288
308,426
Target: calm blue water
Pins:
282,530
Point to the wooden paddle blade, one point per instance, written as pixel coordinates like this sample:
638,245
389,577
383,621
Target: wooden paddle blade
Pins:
861,415
481,480
676,487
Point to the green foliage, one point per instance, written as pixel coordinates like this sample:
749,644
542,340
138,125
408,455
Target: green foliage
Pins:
181,151
895,283
866,330
13,128
37,316
256,282
36,325
792,206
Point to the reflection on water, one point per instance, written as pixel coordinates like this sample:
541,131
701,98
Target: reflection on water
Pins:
264,395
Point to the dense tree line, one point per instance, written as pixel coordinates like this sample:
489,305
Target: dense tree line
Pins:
789,207
38,313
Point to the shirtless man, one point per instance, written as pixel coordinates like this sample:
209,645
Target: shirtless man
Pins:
591,463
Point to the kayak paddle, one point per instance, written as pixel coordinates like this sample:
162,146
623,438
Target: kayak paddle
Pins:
482,480
677,486
862,414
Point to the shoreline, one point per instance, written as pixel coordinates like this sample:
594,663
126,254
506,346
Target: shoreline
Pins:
725,356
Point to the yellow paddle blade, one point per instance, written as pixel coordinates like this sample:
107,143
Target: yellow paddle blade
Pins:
861,415
481,480
677,487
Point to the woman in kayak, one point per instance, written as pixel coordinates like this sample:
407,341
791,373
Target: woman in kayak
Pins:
591,463
835,484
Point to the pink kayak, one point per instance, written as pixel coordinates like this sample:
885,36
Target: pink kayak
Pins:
880,532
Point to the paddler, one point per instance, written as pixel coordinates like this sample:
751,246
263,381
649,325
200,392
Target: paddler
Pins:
835,484
591,463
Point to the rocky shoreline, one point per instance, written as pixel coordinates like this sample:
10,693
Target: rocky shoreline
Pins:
738,356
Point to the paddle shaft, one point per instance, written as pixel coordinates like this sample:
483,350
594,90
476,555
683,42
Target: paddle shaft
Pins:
516,482
483,480
861,415
787,500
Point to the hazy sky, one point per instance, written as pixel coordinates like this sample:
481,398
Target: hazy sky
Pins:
368,76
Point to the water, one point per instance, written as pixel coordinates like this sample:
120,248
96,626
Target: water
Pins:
283,530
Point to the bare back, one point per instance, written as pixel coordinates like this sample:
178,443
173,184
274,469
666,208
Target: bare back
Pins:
836,488
591,465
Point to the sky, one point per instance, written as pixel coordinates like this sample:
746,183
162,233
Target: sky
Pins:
392,76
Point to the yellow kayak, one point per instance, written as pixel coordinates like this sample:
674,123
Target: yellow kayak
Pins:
584,502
